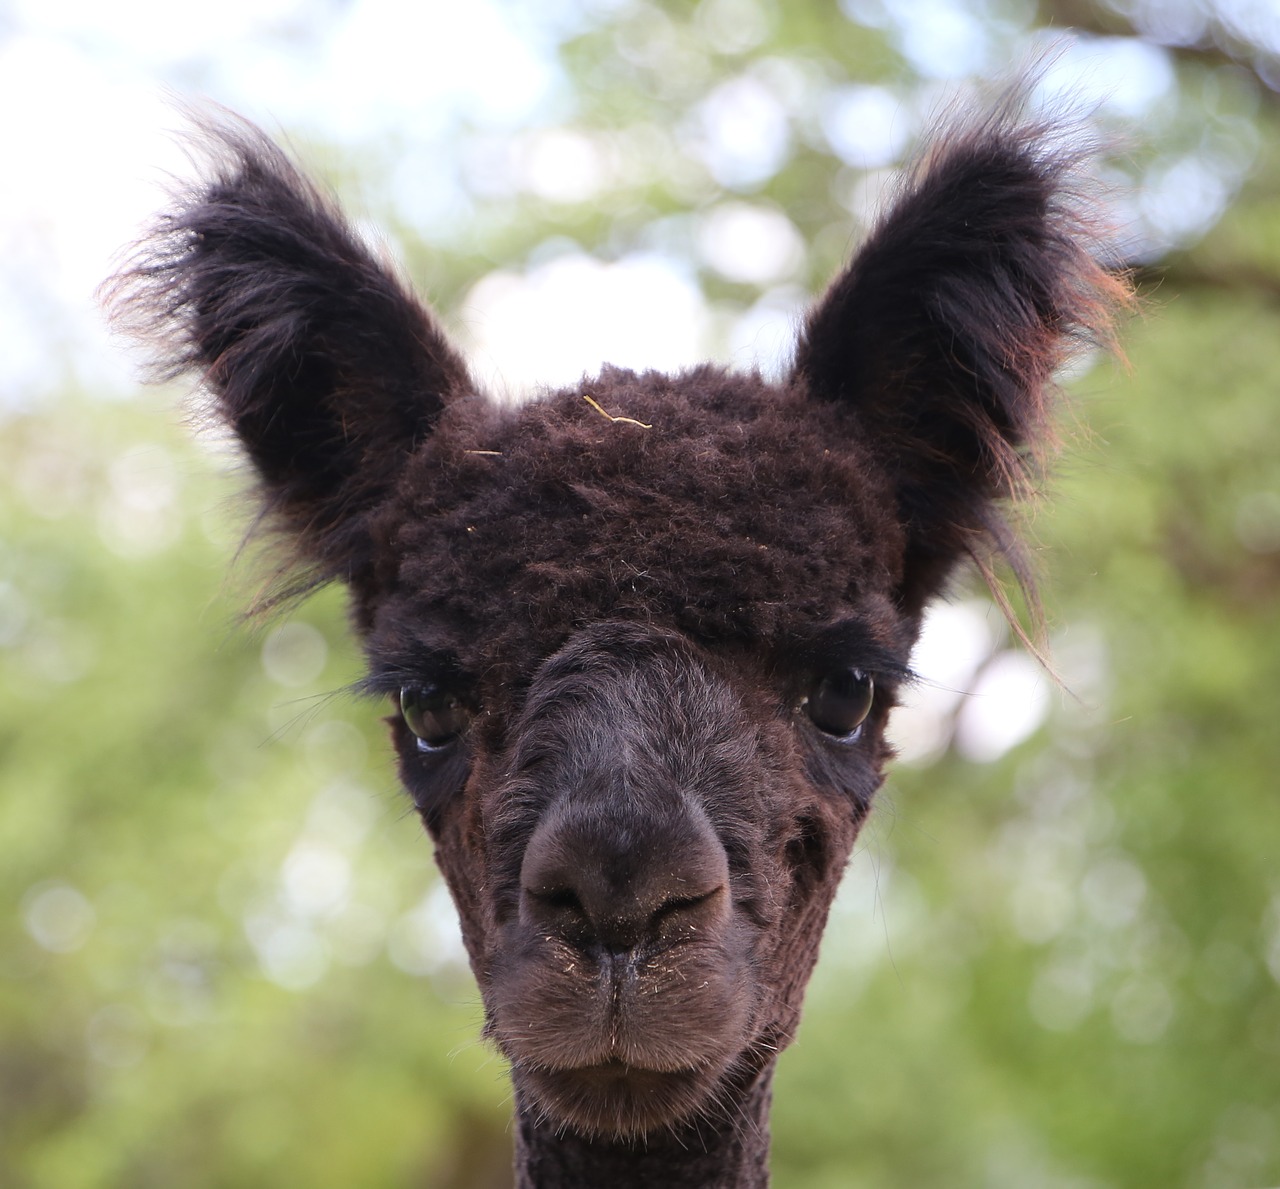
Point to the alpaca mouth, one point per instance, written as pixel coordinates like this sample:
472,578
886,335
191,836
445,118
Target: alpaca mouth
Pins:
617,1022
621,1045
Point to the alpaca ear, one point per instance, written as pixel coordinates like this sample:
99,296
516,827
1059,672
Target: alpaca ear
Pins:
942,335
316,354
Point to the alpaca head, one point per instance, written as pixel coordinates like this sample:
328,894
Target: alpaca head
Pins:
641,636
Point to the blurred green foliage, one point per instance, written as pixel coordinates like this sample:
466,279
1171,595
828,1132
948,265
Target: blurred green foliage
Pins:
225,959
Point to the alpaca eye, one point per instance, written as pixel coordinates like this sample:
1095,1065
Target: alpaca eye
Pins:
839,703
435,716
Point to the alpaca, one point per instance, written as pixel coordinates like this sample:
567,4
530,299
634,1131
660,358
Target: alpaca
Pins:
642,636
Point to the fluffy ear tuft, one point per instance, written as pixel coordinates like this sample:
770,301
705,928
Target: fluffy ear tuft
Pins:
943,334
316,354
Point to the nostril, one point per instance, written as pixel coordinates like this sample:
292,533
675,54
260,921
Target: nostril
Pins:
558,907
676,909
560,898
559,912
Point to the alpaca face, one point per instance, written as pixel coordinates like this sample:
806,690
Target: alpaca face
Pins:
643,671
641,637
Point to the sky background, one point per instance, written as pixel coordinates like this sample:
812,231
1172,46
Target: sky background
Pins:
92,97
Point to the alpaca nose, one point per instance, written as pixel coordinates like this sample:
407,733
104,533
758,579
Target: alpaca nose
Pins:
618,886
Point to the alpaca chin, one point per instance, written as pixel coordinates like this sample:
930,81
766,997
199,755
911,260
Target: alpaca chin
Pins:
618,1102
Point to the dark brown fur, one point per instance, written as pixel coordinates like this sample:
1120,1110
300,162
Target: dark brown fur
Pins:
644,816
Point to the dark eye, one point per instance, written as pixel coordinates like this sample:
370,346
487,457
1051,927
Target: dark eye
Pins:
839,703
436,716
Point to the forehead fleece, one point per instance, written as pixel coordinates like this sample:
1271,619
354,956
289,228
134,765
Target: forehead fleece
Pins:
735,511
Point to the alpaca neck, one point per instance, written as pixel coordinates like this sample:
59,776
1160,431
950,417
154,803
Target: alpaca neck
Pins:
703,1155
